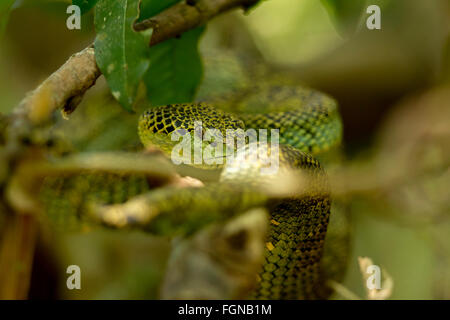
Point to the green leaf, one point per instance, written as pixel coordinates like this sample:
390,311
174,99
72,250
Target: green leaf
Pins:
346,14
5,9
85,5
175,65
175,69
150,8
121,53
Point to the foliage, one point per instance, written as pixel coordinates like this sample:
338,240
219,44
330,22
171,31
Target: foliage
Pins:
85,5
149,8
402,204
178,69
5,8
346,15
121,52
171,71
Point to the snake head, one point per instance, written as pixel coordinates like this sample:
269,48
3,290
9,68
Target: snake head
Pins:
194,134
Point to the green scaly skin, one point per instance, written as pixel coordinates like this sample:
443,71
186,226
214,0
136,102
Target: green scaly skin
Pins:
308,122
66,197
309,126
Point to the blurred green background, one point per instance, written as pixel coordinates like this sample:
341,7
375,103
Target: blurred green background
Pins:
393,89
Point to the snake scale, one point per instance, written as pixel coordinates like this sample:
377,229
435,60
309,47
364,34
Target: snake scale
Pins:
309,129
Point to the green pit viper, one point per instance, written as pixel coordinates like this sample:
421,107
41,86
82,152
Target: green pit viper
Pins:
309,129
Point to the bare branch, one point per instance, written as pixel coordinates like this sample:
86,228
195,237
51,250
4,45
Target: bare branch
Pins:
27,178
65,87
186,15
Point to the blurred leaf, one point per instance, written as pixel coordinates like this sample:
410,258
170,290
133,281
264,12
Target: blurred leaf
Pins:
121,52
175,69
85,5
349,16
5,9
175,65
150,8
346,15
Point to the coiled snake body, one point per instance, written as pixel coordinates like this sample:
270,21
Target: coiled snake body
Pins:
309,126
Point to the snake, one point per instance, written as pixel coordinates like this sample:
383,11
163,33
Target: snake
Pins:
309,125
309,129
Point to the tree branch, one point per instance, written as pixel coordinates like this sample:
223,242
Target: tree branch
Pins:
27,177
65,87
187,15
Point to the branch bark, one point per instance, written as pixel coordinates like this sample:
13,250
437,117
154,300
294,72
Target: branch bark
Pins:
187,15
64,90
16,256
27,178
65,87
